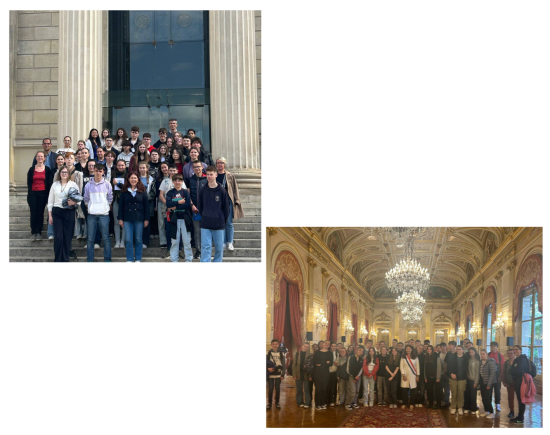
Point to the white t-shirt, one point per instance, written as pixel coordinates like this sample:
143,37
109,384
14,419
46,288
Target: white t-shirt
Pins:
276,358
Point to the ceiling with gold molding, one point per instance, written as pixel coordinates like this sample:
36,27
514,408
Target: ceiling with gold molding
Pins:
452,255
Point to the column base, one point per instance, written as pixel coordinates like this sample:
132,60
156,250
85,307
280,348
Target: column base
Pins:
247,178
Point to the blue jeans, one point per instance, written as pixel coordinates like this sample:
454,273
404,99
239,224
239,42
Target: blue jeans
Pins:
101,221
50,230
207,237
302,388
133,232
229,230
182,234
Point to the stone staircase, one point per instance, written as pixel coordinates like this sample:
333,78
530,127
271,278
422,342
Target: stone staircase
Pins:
247,240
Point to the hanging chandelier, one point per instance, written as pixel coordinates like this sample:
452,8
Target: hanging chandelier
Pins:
320,320
411,301
349,328
408,275
474,329
461,332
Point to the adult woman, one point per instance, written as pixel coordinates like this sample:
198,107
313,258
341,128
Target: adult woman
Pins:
177,158
118,178
104,134
142,155
488,371
62,218
39,182
370,368
433,367
393,378
472,381
159,205
227,180
121,136
188,169
410,371
149,184
93,142
342,375
163,153
322,360
133,215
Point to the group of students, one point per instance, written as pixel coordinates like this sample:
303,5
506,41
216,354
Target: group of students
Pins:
133,191
413,375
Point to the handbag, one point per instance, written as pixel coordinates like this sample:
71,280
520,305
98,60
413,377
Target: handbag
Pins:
332,369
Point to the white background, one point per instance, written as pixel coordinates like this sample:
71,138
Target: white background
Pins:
373,113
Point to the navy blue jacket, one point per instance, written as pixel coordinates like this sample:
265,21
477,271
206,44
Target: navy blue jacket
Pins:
180,208
213,205
133,209
196,184
48,181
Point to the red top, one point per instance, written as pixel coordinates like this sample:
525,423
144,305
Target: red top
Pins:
366,369
180,168
39,180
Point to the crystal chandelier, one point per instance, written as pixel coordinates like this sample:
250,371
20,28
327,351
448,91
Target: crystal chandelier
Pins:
320,320
372,332
411,301
412,332
439,332
461,332
364,331
499,325
408,275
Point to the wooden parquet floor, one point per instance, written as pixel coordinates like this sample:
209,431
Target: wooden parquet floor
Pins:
291,415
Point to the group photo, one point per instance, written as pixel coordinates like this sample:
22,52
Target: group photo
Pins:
404,327
145,165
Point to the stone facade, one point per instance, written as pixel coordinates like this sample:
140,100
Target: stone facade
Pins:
258,25
34,79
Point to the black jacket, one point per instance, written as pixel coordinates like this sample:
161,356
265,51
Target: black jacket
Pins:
133,209
520,366
354,366
213,205
195,185
459,369
47,181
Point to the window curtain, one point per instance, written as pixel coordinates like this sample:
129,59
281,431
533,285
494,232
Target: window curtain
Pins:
294,312
354,324
332,330
290,291
279,311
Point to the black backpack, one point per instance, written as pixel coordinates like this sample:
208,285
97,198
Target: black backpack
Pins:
532,368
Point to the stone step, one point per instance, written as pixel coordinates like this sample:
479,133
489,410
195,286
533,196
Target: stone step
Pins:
238,225
121,252
25,219
153,243
123,260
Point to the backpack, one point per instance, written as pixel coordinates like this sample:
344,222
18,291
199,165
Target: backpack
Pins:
532,368
308,365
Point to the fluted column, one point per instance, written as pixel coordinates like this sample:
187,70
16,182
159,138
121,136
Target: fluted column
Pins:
233,94
80,79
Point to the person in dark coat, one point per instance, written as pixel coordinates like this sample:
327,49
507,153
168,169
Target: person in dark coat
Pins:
39,182
133,215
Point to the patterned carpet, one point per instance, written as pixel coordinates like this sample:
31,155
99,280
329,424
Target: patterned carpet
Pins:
395,417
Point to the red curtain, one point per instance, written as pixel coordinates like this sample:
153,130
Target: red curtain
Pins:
354,324
333,322
294,306
279,312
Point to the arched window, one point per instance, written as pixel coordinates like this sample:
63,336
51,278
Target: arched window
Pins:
489,332
531,326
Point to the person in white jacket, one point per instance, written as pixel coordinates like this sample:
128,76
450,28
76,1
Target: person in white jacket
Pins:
410,375
98,196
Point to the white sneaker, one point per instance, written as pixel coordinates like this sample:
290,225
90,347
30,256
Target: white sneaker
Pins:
230,246
129,262
79,237
482,414
122,245
96,246
460,411
466,411
50,238
453,411
85,246
490,415
138,261
144,246
498,407
366,405
117,245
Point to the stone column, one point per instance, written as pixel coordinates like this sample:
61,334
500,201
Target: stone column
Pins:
80,74
11,132
233,94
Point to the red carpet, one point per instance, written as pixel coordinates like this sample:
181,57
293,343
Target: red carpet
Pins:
382,416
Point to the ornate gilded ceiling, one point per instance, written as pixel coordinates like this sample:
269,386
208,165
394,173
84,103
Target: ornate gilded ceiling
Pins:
452,255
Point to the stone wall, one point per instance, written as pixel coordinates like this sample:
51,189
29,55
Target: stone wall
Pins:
258,18
35,82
